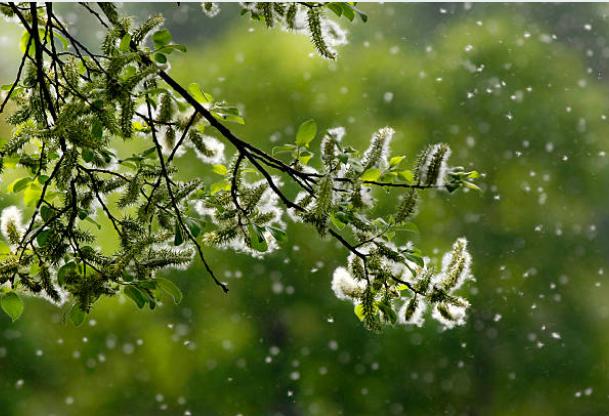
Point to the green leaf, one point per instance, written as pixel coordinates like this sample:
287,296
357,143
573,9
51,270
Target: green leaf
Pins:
4,248
415,259
286,148
31,195
348,12
278,234
220,170
92,221
305,157
125,43
198,94
87,155
394,161
218,186
19,185
46,213
12,305
388,312
160,58
335,8
193,226
371,174
361,14
77,315
161,38
408,175
169,287
63,40
65,270
410,227
473,175
338,223
179,235
42,237
472,186
136,295
359,311
257,237
170,48
306,133
23,42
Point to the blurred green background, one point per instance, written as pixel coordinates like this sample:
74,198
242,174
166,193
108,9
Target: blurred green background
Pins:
519,93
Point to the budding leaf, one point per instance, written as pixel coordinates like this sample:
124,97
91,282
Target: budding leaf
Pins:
306,133
12,305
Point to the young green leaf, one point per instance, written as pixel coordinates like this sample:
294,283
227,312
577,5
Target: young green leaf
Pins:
371,174
257,237
359,311
306,133
278,234
169,287
161,38
220,169
136,295
408,175
125,43
12,305
77,315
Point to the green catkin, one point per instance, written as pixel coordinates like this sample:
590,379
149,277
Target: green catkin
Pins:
166,109
109,10
279,8
290,17
371,319
266,10
407,207
457,268
420,163
320,212
314,21
47,284
433,167
445,312
132,193
127,113
375,154
411,308
150,24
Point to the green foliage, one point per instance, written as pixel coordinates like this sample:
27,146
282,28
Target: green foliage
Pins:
72,110
12,305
